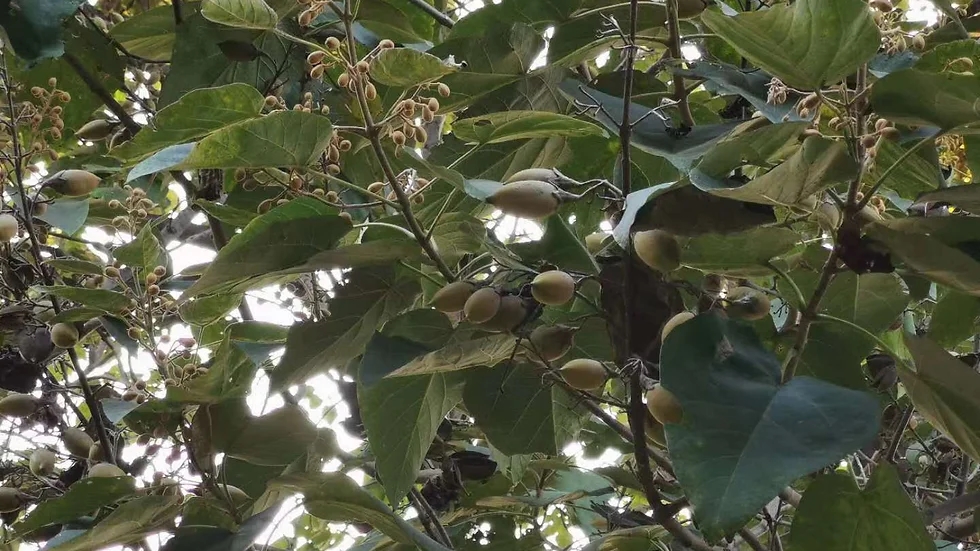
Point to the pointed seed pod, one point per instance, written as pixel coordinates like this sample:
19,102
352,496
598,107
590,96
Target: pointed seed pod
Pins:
664,406
552,342
453,297
76,441
64,335
42,462
482,305
527,199
96,130
553,288
8,227
18,405
658,249
73,182
105,470
509,316
584,374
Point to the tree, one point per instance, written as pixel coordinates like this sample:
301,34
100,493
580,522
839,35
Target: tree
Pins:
554,274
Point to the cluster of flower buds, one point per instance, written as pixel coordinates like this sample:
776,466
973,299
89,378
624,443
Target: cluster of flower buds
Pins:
778,92
46,110
137,206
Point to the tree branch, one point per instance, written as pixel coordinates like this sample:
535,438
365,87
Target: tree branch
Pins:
103,94
674,47
808,315
429,518
952,507
440,17
897,436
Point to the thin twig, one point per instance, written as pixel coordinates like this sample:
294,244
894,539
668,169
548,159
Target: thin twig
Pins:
808,315
103,94
674,47
750,539
897,436
426,512
440,17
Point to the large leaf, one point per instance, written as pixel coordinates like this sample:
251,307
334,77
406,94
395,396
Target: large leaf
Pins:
954,318
682,147
82,498
195,115
751,84
966,197
103,299
150,34
946,391
807,45
744,436
335,497
272,245
927,99
34,28
521,125
370,297
879,518
129,523
280,139
212,538
230,376
144,252
401,415
276,438
834,351
737,253
404,67
66,214
519,411
246,14
461,352
929,256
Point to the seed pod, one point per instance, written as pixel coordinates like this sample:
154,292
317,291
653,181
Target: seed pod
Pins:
867,215
883,6
656,433
105,470
672,324
76,441
553,288
688,9
658,250
541,174
370,92
343,80
482,305
10,500
333,43
527,199
398,137
73,182
663,405
331,196
386,44
18,405
510,314
42,462
890,133
584,374
594,241
552,342
160,271
96,130
315,58
8,227
95,453
64,335
433,105
747,303
421,135
452,297
376,188
443,90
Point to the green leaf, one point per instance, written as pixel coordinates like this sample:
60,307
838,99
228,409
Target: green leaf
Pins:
195,115
82,498
817,165
946,391
879,518
738,253
461,352
34,28
150,34
405,67
115,410
928,256
229,215
76,314
834,351
129,523
401,415
807,45
520,413
246,14
66,214
336,497
640,538
370,297
209,309
927,99
751,84
103,299
967,197
276,438
271,246
210,538
144,252
75,266
744,436
280,139
919,172
650,134
229,376
521,125
954,318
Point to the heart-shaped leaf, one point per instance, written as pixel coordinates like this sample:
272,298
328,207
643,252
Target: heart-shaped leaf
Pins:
879,518
744,436
807,44
246,14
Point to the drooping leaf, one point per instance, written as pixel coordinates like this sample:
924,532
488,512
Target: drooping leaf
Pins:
954,318
753,85
195,115
521,125
246,14
921,98
75,266
212,538
967,197
807,45
336,497
229,376
209,309
879,518
744,436
34,28
82,498
928,256
129,523
271,246
945,391
460,353
68,215
276,438
518,411
737,253
401,415
370,297
405,67
144,252
149,34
